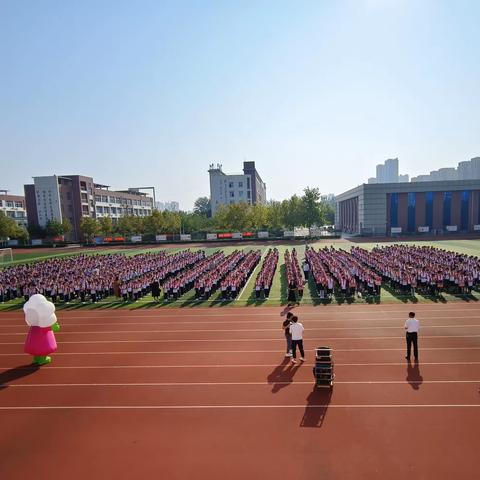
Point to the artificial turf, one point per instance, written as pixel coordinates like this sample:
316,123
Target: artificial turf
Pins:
278,293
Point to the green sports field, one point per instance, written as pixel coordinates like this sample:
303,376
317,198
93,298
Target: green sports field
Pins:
247,296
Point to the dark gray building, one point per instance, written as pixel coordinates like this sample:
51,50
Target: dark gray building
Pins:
410,208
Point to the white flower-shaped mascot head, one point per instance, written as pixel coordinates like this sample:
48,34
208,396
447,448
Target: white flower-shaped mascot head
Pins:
39,312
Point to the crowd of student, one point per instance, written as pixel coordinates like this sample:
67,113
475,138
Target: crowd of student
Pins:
236,278
426,269
209,282
92,277
263,282
185,280
89,278
294,276
337,270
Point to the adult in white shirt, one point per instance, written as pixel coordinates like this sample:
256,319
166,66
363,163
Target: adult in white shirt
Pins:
296,330
412,326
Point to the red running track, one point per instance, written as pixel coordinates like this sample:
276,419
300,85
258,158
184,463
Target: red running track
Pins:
206,393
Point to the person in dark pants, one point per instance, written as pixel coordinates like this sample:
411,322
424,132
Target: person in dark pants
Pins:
296,329
412,326
288,336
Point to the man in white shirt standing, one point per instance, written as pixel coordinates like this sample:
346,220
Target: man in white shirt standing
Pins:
411,327
296,329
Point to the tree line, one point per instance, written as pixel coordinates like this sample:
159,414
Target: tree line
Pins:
306,210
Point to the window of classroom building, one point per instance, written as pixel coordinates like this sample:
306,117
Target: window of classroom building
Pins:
447,208
231,194
464,210
411,204
429,209
394,209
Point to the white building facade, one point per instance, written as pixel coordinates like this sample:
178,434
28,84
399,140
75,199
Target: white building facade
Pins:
228,189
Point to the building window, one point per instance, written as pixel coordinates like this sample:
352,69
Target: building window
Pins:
465,204
248,182
230,184
411,202
240,184
240,193
394,210
248,193
18,204
231,194
429,209
9,204
447,208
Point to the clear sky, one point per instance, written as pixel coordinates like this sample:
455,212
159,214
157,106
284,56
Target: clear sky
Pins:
316,92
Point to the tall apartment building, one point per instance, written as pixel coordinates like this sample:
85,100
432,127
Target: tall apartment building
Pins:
13,206
226,189
168,206
75,196
387,172
469,170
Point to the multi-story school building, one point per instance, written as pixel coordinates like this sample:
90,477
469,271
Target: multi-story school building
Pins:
225,189
13,206
434,207
75,197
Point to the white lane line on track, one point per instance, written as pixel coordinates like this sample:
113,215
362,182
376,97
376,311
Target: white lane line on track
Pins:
232,407
377,327
220,384
384,364
181,340
390,319
319,311
183,352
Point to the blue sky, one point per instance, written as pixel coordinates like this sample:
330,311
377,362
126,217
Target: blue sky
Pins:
315,92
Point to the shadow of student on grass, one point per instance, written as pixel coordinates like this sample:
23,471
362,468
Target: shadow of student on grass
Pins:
316,407
282,375
414,378
13,374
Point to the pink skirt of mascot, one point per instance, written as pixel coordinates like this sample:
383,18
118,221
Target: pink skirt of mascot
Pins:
40,317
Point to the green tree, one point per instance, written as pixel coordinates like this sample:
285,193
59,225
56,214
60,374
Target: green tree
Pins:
172,222
67,226
89,228
311,206
7,226
233,217
258,216
153,224
125,225
275,215
54,228
10,229
202,206
105,225
293,212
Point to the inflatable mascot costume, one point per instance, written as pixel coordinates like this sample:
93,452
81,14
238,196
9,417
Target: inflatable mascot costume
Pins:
40,317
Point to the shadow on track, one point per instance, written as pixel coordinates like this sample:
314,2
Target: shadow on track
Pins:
316,407
15,373
282,375
414,378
